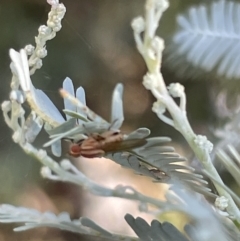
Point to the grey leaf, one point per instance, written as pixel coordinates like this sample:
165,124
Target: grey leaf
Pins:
56,148
142,231
156,232
80,94
47,107
66,126
32,127
89,223
77,115
209,41
68,86
138,134
117,116
231,164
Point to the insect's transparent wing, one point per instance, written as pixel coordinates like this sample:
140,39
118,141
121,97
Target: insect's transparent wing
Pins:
68,86
93,127
117,116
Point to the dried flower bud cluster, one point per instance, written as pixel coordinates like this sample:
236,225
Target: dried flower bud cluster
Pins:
55,16
176,90
221,203
204,143
138,24
150,81
45,33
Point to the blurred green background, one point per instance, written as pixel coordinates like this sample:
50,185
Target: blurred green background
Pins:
96,49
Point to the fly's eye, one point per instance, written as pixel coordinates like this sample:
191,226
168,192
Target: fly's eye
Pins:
75,148
115,133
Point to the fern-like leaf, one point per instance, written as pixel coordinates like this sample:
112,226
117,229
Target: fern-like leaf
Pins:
208,38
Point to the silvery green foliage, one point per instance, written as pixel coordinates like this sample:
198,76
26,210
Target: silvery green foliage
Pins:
229,134
208,39
231,161
156,231
206,225
32,218
150,157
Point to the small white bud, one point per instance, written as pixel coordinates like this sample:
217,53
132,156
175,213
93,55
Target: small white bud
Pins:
66,164
204,143
50,23
138,24
41,53
61,9
162,5
176,89
17,136
56,19
158,107
150,81
221,203
157,44
42,154
6,106
17,96
52,2
46,172
38,64
57,27
44,30
29,49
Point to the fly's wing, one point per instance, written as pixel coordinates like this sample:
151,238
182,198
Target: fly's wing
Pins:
144,148
124,145
134,140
